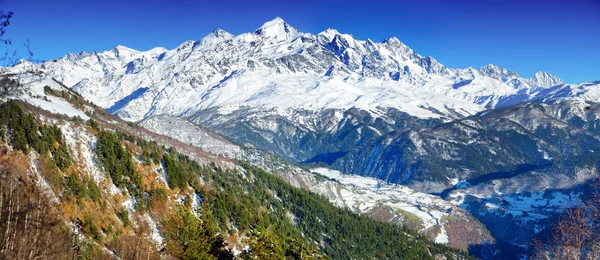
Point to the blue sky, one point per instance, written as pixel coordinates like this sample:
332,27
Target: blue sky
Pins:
560,37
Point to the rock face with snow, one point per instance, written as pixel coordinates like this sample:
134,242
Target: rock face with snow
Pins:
514,168
557,137
189,133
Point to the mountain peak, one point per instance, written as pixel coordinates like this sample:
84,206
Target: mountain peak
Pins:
490,67
123,48
545,79
542,74
276,20
396,43
326,36
329,32
370,42
392,40
502,74
221,33
276,29
213,38
123,51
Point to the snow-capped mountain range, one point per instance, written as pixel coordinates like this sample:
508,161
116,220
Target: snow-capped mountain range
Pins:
278,67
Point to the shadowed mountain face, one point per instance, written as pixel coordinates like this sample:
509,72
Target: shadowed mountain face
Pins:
503,142
514,168
428,154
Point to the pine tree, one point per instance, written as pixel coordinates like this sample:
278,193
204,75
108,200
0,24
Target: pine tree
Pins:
146,157
62,157
92,123
209,223
185,237
176,176
264,244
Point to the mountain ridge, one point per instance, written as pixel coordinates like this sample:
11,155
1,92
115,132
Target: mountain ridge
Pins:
206,73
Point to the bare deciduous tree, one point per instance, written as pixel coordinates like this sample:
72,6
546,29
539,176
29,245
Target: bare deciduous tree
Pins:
5,22
132,246
5,17
577,233
11,58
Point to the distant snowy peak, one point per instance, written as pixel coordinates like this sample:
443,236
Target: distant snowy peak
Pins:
277,30
125,52
220,33
327,36
394,43
215,37
498,73
342,42
540,79
432,66
545,80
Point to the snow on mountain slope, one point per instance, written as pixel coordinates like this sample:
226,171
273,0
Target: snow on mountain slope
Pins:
276,66
188,133
367,194
517,209
34,91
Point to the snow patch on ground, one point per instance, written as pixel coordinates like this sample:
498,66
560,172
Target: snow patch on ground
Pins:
189,133
161,172
155,235
53,104
129,204
545,154
538,205
82,145
442,237
114,189
363,194
42,184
